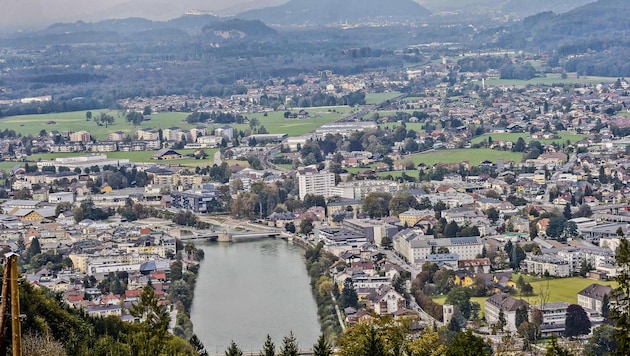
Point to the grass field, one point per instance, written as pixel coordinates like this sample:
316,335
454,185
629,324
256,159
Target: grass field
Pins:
6,166
513,137
559,290
474,156
274,122
75,121
551,79
377,98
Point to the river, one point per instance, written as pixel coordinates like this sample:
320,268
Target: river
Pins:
247,290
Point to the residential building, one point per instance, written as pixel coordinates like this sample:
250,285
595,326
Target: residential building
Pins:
195,201
592,297
80,136
506,303
550,264
312,182
553,318
416,247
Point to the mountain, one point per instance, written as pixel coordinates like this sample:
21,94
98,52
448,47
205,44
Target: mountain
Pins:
236,28
322,12
531,7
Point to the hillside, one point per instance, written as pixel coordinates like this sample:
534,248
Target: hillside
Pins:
531,7
299,12
236,28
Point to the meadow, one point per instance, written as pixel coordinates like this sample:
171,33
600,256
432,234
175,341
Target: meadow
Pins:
377,98
472,155
274,122
513,137
556,290
551,79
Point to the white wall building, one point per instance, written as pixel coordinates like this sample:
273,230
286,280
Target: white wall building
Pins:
317,183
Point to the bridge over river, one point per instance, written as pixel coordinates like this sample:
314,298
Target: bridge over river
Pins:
228,236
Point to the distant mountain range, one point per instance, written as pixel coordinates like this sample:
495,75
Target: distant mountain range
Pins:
522,8
322,12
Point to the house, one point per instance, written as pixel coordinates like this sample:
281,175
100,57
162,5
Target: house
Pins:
464,278
503,302
478,265
166,154
592,297
386,300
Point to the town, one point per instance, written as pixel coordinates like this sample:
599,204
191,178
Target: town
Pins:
552,205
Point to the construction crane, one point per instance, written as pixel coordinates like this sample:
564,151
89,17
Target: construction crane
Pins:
10,291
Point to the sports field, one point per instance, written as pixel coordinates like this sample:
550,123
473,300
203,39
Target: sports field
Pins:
377,98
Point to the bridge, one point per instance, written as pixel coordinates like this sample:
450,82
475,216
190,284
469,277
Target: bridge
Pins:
229,236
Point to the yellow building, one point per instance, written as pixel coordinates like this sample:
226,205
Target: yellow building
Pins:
411,217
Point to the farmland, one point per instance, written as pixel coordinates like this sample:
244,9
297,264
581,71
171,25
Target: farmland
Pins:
551,79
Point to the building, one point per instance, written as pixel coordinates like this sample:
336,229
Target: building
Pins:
195,201
80,136
504,302
166,154
116,136
148,135
83,162
416,247
225,131
592,297
546,264
553,318
373,230
311,181
410,217
386,300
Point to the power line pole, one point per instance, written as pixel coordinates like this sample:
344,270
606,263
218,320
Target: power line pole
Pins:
10,285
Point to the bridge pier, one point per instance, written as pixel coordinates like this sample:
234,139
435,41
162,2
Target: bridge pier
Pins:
225,237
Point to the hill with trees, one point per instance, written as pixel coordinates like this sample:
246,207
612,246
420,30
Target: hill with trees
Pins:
532,7
299,12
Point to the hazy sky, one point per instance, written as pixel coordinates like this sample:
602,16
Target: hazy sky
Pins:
22,13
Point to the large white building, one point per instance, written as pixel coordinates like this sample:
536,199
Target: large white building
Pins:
311,181
551,264
84,162
416,247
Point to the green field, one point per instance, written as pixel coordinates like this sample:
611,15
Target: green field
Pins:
474,156
377,98
559,290
275,122
6,166
513,137
551,79
75,121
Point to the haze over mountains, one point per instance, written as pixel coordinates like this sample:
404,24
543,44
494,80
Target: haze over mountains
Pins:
27,14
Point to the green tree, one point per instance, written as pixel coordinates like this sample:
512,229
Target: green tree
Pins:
553,349
460,298
376,204
465,343
521,316
269,349
451,229
198,345
322,348
349,297
289,346
620,312
567,211
233,350
576,322
602,342
493,214
306,225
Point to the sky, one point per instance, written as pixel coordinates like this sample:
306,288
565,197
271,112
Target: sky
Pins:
24,14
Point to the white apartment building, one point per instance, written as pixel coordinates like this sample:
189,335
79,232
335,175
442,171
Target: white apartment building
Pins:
318,183
416,247
552,264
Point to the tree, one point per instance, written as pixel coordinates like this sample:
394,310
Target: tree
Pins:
198,345
553,349
322,348
376,204
349,297
576,322
451,229
233,350
521,316
269,349
88,115
460,298
306,225
289,346
620,311
465,343
492,214
602,342
567,211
